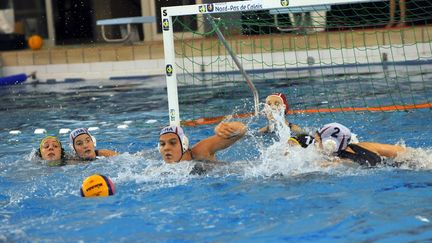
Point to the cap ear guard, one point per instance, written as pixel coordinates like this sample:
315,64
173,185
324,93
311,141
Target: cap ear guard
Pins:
329,146
94,140
185,143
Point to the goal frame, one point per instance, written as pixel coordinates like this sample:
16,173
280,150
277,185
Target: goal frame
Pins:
167,13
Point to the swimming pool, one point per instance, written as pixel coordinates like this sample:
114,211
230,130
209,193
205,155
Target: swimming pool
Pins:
260,196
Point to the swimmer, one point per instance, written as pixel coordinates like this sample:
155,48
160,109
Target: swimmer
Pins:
277,106
83,144
335,138
174,145
51,150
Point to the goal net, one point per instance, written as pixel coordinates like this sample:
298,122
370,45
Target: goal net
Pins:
325,56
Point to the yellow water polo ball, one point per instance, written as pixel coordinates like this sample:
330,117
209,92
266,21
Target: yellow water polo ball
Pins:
35,42
97,186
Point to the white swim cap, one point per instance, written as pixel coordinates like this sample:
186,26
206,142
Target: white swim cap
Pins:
184,141
79,131
335,137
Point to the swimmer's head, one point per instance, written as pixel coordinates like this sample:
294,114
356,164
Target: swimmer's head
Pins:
278,101
173,143
50,149
333,137
303,140
83,143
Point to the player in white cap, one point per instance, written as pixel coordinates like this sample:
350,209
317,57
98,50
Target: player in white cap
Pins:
83,144
174,145
334,138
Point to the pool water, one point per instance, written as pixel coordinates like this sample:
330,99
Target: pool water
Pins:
261,195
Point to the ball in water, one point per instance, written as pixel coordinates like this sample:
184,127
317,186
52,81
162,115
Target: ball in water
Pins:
97,186
35,42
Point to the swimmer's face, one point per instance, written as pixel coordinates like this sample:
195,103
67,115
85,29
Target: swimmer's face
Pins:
276,103
51,149
170,148
84,147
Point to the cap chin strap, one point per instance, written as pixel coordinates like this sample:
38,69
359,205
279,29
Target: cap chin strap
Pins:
181,156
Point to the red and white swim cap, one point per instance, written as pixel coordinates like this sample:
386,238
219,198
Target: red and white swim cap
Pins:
283,99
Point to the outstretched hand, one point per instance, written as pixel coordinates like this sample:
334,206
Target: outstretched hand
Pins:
229,130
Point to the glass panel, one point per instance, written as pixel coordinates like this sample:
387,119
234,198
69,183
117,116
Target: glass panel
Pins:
30,17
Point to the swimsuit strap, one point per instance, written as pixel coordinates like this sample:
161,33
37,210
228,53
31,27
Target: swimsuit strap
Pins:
361,156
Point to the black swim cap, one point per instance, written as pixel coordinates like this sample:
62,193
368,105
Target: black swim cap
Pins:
303,140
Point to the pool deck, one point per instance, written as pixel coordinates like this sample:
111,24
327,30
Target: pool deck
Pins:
105,61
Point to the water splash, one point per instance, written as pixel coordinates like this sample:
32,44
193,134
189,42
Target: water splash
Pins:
415,158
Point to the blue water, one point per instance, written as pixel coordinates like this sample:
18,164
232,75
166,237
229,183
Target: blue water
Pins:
260,195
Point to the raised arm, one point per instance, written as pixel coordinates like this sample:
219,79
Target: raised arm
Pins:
226,133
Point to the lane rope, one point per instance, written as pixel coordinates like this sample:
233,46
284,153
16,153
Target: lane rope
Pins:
217,119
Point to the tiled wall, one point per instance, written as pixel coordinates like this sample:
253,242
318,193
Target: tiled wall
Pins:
108,60
67,55
89,62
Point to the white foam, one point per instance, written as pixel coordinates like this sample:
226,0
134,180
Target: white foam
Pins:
415,158
151,171
151,121
421,218
64,130
15,132
93,128
123,126
354,138
39,131
127,122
